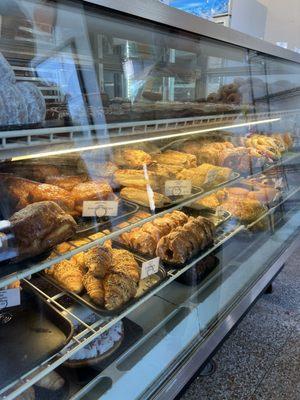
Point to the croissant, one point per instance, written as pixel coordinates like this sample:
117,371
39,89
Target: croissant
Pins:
94,288
122,283
123,262
118,289
68,275
98,261
185,241
132,158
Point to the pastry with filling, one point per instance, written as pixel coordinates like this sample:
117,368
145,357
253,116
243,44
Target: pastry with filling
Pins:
176,158
144,197
41,226
137,179
132,158
205,175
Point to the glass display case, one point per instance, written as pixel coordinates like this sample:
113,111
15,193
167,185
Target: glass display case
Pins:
149,193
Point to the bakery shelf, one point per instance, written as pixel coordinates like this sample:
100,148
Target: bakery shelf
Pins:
18,143
100,326
9,276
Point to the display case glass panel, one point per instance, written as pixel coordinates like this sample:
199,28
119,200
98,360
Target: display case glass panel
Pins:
149,190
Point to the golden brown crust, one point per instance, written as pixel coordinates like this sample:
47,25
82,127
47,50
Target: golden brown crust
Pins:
205,175
137,178
68,275
40,226
132,158
66,182
146,198
94,288
45,192
98,261
41,172
177,158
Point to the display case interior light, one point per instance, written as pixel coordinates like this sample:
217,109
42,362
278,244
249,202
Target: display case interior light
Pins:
142,140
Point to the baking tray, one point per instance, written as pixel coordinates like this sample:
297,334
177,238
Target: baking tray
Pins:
196,191
30,334
94,224
145,286
82,375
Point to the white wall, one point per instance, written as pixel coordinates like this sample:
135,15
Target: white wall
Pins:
283,22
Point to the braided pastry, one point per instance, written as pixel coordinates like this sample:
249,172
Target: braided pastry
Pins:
185,241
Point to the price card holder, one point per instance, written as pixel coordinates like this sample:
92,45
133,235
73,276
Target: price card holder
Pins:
178,188
211,177
100,208
150,267
9,298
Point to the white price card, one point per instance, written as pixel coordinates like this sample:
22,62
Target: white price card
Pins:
220,212
211,176
150,267
100,208
178,188
10,298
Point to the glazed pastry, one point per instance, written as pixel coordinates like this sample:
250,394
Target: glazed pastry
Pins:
176,158
98,261
45,192
94,288
15,192
52,381
205,175
68,275
214,200
136,179
146,198
166,171
132,158
100,235
40,226
186,241
144,238
66,182
86,191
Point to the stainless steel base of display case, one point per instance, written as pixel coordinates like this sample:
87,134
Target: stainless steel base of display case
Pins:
197,358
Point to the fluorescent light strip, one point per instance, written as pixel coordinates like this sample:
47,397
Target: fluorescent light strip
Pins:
147,139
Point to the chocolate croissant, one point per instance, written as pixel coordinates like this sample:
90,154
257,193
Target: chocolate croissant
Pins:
186,241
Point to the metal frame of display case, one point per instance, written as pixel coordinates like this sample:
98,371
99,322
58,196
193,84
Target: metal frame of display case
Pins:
168,386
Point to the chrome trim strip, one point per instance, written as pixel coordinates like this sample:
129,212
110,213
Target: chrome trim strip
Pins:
185,372
155,11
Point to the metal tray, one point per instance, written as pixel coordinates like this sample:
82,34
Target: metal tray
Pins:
145,286
196,191
218,221
30,334
94,224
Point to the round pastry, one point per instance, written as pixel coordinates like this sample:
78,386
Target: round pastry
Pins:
231,88
99,349
35,101
212,98
6,72
234,98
